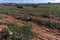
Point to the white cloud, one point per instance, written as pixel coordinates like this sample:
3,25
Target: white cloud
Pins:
55,1
40,1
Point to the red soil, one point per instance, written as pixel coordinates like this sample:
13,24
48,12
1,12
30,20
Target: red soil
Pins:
42,32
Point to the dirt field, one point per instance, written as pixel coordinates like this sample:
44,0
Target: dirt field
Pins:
42,32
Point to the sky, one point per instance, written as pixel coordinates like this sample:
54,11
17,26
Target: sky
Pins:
29,1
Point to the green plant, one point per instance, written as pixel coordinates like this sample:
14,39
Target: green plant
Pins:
49,24
39,21
26,18
19,33
45,15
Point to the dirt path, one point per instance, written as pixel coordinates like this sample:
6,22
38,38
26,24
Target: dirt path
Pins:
45,33
2,27
10,19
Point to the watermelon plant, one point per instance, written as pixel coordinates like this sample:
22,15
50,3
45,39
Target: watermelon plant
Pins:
19,32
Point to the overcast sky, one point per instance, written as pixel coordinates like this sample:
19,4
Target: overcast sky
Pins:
29,1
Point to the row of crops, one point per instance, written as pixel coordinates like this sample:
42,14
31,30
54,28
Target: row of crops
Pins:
41,22
28,18
39,10
16,32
